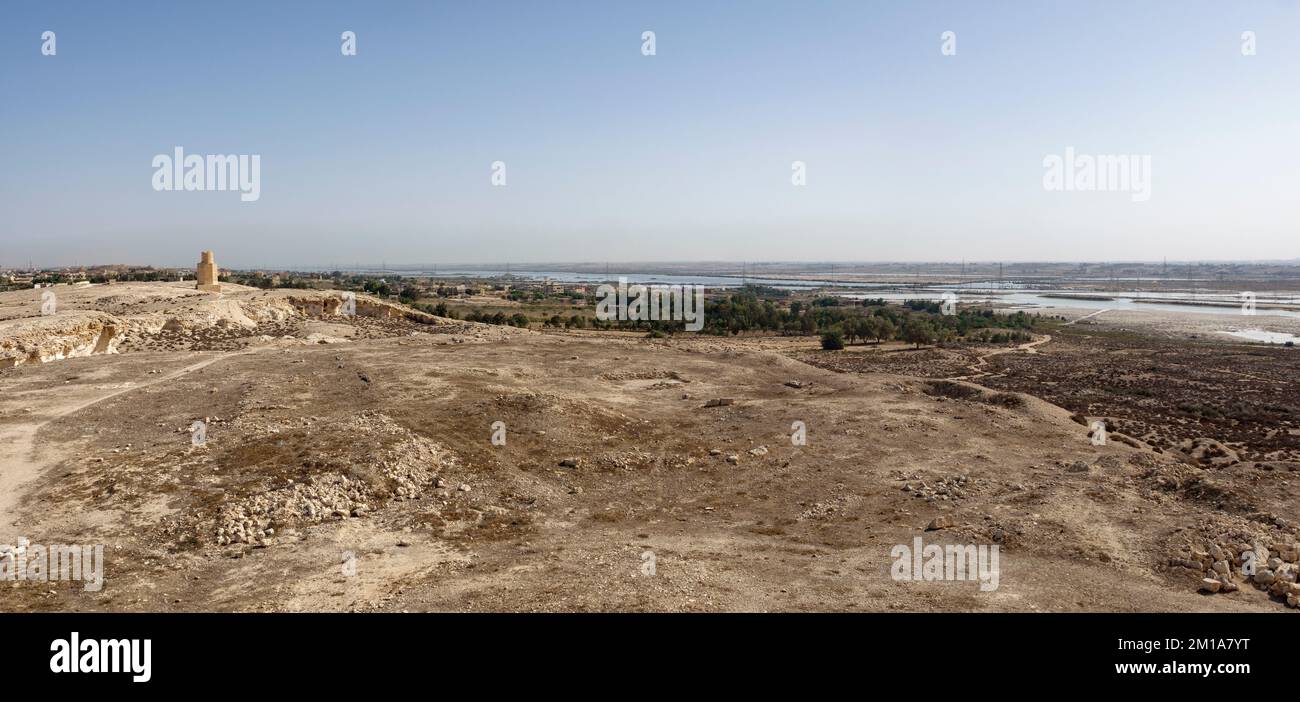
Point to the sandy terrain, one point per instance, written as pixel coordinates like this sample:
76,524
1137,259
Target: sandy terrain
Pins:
355,470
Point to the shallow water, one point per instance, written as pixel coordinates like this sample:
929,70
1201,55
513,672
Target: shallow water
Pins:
1261,335
1015,294
1030,300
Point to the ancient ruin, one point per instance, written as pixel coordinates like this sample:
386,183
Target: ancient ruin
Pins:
207,271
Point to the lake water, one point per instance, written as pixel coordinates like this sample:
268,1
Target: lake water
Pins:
1031,299
1264,336
1015,294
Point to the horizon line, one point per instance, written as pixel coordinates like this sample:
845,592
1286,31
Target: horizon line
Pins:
558,265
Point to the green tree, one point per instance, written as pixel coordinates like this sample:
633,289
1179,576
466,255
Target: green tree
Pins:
918,331
832,340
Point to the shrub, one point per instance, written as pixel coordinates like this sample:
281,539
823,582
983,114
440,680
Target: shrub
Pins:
1006,399
832,340
949,389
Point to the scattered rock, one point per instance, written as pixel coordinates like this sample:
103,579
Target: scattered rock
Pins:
942,521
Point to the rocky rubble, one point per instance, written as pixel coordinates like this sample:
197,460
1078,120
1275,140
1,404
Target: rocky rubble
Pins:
406,470
1239,558
946,489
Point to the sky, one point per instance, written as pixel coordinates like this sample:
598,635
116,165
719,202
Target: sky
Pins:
909,153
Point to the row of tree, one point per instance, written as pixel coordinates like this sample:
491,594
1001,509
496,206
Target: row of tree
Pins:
839,321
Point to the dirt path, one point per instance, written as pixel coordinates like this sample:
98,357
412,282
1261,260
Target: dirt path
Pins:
1086,316
982,361
19,462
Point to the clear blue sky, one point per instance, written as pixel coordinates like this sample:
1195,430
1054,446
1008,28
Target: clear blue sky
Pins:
611,155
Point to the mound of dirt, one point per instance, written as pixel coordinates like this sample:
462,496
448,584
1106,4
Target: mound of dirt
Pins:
57,337
386,461
104,319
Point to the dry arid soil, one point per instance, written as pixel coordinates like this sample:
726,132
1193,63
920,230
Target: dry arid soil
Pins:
349,463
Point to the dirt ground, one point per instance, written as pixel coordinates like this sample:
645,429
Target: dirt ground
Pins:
358,472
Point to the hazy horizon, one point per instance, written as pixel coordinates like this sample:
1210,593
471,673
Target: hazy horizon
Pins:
909,154
573,266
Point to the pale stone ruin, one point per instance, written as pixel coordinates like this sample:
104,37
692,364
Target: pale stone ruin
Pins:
208,273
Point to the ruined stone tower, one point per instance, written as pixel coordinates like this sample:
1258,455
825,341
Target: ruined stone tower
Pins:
208,273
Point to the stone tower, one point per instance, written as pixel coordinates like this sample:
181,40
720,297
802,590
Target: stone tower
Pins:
208,273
